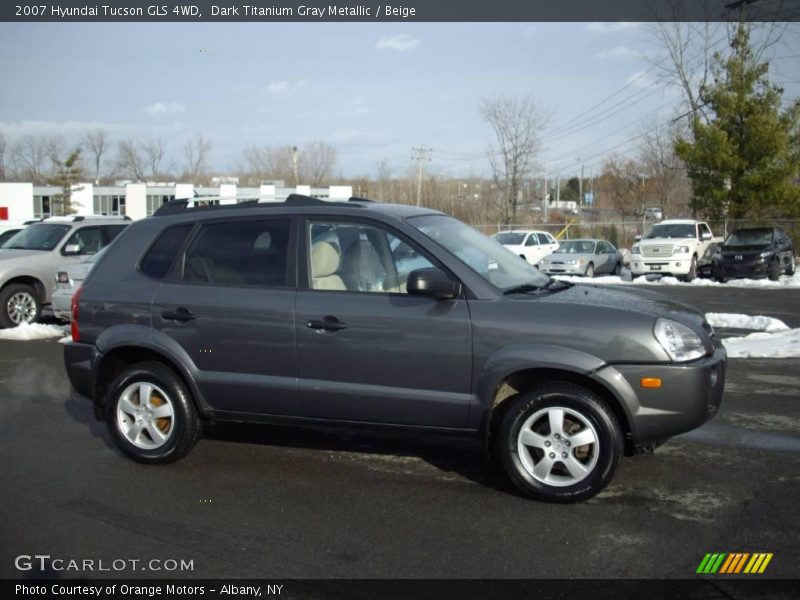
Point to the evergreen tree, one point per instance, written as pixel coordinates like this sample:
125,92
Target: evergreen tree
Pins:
67,174
743,162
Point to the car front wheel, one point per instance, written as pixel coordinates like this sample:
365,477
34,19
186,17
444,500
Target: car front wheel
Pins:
791,268
775,270
692,271
559,443
150,414
19,304
589,270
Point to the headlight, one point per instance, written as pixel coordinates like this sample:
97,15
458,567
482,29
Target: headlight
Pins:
635,249
682,250
765,254
575,261
680,342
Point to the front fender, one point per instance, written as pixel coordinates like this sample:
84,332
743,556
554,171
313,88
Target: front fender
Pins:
513,359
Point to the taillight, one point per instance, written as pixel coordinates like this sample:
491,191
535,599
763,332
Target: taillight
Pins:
76,298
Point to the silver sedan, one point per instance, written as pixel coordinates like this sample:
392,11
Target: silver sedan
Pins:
583,257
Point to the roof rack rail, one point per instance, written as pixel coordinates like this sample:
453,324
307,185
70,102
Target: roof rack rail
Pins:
357,199
181,204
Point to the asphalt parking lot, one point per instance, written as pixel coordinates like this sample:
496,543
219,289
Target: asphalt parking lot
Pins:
272,502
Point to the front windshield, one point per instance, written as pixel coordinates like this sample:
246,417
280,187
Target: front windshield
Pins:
508,238
682,230
39,236
576,247
751,237
484,255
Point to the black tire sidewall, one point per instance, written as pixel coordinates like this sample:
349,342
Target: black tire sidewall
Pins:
5,295
589,407
589,267
185,419
775,270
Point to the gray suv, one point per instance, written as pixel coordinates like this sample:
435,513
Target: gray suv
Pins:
363,313
30,259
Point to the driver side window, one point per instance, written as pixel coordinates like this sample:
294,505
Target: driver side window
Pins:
356,257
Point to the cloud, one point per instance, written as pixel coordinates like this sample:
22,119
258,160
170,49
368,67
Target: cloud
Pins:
283,87
620,52
65,128
603,28
162,108
400,43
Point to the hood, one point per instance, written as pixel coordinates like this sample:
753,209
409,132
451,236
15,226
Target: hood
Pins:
12,253
639,301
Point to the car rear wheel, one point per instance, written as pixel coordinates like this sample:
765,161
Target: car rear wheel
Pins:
589,270
19,304
718,273
775,269
559,443
150,414
617,269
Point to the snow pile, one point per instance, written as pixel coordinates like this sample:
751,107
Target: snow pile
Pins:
31,331
736,321
783,344
785,281
65,339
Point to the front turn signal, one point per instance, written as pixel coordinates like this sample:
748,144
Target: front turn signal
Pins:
650,382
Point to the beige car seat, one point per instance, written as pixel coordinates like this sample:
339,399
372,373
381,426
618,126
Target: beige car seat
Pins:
325,262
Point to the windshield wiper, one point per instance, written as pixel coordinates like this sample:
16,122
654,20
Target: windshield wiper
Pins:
553,285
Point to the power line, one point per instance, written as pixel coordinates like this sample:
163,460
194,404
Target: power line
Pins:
420,154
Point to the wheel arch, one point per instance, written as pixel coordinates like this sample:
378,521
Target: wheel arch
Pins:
31,281
524,380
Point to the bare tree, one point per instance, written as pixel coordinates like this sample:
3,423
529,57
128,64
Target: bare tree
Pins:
196,151
317,162
2,157
96,143
517,124
623,184
384,175
154,155
130,160
664,171
28,159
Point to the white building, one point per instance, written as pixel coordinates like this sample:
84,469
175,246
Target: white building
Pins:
25,201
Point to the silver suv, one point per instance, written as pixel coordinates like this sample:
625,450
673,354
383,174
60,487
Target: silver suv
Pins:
363,313
29,261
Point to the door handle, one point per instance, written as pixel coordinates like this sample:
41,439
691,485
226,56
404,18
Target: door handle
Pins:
327,324
179,314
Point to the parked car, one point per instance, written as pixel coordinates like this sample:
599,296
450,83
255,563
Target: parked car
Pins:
672,247
583,257
533,246
29,261
297,312
9,229
755,252
68,281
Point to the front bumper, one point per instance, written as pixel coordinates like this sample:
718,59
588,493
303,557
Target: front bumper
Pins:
563,269
757,268
641,265
690,395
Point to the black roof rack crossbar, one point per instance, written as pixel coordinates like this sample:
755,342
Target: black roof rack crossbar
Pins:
179,205
357,199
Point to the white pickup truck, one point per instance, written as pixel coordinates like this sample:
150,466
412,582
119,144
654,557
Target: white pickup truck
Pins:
672,247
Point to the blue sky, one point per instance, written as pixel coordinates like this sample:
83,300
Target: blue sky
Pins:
372,90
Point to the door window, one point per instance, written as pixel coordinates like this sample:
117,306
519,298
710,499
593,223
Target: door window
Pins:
532,240
89,240
355,257
161,255
239,253
543,239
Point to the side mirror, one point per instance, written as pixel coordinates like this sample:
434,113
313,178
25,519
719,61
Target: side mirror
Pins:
637,238
433,283
705,236
72,249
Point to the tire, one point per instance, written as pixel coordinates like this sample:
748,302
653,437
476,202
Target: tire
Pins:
532,467
19,304
775,269
791,268
692,271
589,272
617,270
168,425
718,274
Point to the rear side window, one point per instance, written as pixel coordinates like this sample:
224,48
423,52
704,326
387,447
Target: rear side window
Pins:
239,253
161,255
112,231
543,239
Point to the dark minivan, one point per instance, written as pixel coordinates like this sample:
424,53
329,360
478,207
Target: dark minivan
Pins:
371,314
754,252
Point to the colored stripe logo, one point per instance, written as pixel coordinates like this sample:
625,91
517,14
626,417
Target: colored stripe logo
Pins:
734,563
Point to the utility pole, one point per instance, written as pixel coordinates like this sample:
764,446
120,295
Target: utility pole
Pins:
580,188
420,156
295,161
545,198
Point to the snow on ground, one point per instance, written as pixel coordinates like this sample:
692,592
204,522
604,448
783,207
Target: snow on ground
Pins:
783,344
737,321
32,331
785,281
